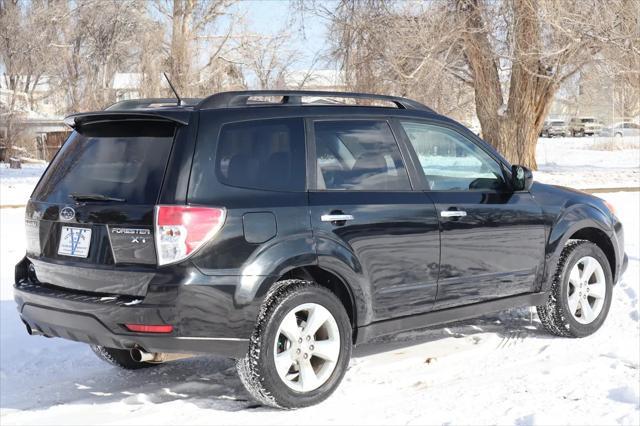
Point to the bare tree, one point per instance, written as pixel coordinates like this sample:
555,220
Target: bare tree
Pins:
191,44
152,59
518,53
513,54
110,38
267,58
24,32
398,48
90,48
620,61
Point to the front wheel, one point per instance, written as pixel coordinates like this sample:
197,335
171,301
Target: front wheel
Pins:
580,293
300,348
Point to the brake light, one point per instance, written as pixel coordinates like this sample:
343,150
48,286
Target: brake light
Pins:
144,328
181,230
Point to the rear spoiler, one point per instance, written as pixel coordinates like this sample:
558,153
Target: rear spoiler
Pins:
178,116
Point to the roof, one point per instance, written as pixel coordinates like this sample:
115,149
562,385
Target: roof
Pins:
249,98
294,97
170,109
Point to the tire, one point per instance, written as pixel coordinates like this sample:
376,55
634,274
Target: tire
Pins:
618,135
560,318
258,371
120,358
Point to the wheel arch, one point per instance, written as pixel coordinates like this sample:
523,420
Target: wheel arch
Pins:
325,262
580,222
600,239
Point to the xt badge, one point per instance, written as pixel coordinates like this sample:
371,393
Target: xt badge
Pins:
137,235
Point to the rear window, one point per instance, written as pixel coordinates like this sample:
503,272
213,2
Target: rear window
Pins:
124,160
260,154
358,155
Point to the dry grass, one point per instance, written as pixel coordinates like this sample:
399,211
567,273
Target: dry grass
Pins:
615,144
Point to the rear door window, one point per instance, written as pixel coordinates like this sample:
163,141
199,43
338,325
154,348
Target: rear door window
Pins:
124,160
358,155
263,154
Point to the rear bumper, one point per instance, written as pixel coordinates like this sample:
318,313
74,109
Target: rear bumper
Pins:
89,329
205,320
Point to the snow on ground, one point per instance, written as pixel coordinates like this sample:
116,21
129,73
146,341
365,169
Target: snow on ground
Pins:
589,162
16,184
499,369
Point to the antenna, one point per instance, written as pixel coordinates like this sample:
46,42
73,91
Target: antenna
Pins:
175,92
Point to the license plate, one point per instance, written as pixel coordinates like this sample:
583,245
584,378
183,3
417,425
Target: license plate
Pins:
74,241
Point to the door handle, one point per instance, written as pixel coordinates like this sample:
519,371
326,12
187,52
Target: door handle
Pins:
453,213
336,217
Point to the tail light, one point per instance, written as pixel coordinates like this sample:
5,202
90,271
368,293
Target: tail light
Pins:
144,328
182,230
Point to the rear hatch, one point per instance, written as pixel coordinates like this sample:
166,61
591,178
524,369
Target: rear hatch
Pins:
90,219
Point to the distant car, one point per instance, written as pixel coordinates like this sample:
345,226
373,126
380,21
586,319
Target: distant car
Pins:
580,126
554,128
621,129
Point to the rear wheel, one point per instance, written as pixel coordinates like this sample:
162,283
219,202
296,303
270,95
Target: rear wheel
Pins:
120,358
300,349
581,292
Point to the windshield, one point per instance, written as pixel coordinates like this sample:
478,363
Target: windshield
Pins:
557,123
118,160
588,120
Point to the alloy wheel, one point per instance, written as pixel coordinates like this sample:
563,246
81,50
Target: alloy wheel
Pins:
307,347
587,290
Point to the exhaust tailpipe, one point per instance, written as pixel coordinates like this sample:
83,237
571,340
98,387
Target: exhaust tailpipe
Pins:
32,331
140,355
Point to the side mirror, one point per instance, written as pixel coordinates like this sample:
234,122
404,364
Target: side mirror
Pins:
521,178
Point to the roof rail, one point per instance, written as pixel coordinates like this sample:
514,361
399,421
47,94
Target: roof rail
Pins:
293,97
130,104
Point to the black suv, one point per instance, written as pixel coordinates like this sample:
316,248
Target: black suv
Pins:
280,228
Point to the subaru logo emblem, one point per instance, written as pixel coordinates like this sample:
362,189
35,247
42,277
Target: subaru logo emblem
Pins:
67,214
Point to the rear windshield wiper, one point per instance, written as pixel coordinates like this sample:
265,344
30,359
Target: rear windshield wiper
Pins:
94,197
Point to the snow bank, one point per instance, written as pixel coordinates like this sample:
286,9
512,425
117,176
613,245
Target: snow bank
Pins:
582,163
16,185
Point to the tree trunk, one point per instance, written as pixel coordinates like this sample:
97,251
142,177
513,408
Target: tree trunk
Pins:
180,39
515,139
511,128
